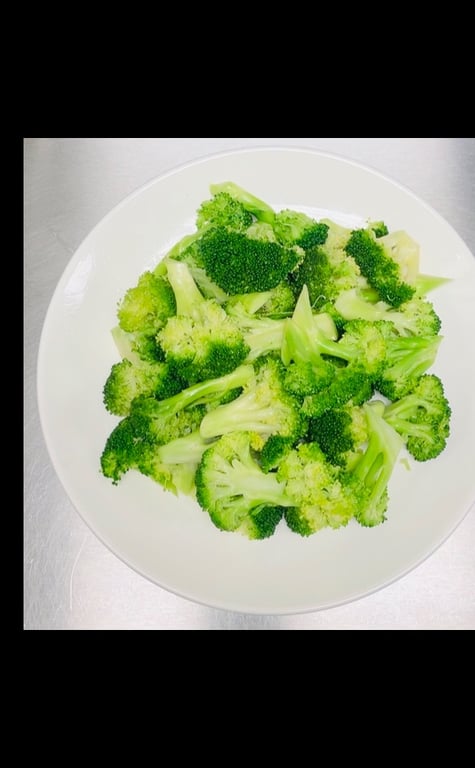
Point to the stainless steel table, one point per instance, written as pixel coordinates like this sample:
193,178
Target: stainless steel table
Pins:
71,580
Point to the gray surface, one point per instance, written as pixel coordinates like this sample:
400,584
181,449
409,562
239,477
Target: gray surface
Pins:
71,580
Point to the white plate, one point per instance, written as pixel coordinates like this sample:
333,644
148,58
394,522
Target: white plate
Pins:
171,540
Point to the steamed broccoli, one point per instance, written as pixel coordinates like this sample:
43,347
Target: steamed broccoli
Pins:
416,316
146,307
258,208
238,263
201,342
127,381
223,211
340,433
264,407
422,418
379,268
379,228
404,251
407,358
321,495
305,341
296,228
151,423
371,474
236,493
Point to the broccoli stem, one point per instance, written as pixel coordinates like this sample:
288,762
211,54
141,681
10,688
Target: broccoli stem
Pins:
187,295
205,390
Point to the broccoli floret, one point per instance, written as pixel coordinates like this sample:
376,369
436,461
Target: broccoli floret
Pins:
327,269
223,211
133,443
305,339
236,493
404,251
349,384
201,342
407,358
416,316
340,433
379,228
264,407
309,378
296,228
147,307
379,268
258,208
372,472
320,493
127,381
422,418
137,347
241,264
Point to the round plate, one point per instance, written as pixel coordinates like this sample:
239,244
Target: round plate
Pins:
171,540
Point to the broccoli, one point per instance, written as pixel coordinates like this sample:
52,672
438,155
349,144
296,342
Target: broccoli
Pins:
379,268
404,251
264,407
371,474
127,381
151,423
379,228
296,228
236,493
350,384
147,307
223,211
407,358
327,269
238,263
201,342
137,347
305,339
340,433
321,495
416,316
426,283
258,208
422,418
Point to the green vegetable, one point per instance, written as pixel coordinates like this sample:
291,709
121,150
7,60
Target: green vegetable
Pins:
252,363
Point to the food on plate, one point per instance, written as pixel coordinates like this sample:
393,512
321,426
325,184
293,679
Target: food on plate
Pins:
275,368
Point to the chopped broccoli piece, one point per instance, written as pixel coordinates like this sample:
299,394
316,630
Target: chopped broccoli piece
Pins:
151,423
223,211
340,433
416,316
236,493
379,268
422,418
201,342
372,472
147,307
321,495
258,208
379,228
305,339
127,381
296,228
407,358
241,264
264,407
404,251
